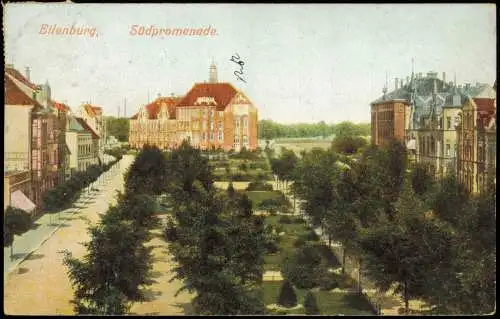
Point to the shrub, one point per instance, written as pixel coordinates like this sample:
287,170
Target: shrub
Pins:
300,267
327,255
299,242
298,220
287,297
310,236
259,186
326,280
310,304
285,220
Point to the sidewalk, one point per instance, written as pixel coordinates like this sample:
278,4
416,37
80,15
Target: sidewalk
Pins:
388,302
48,224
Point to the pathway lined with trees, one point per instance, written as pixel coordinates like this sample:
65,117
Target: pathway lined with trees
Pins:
41,286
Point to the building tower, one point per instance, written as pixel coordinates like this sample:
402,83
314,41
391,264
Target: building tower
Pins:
212,73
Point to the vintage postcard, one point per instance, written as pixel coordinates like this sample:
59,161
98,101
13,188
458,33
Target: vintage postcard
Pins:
249,159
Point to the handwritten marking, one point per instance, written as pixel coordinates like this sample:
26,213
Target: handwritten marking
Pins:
236,59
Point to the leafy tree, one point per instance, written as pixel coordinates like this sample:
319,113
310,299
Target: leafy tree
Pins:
421,180
287,297
348,144
137,208
404,254
16,222
147,174
185,165
313,182
310,304
118,127
116,264
451,201
205,255
299,267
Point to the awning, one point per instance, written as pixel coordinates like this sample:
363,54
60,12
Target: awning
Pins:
19,200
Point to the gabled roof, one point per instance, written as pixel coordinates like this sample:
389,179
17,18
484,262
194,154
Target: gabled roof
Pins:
74,125
222,94
154,107
89,109
61,106
87,127
15,96
21,78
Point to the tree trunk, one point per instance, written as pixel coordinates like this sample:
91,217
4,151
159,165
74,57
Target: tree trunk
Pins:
329,240
360,290
407,303
12,250
343,259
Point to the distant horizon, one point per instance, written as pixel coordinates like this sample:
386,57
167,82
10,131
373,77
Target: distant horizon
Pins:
306,63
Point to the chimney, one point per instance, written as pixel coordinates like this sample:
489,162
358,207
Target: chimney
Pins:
27,73
444,77
396,83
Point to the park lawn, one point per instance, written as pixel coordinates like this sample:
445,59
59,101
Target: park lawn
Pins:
329,303
258,196
286,244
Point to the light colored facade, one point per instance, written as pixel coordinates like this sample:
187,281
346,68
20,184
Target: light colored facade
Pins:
93,116
211,115
88,146
477,141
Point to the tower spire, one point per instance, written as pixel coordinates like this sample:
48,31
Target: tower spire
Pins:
212,77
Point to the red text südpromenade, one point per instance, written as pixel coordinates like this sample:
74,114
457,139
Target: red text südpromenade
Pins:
154,31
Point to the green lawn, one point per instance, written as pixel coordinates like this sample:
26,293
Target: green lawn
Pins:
258,196
329,303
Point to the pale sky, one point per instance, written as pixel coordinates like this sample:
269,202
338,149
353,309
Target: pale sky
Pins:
303,63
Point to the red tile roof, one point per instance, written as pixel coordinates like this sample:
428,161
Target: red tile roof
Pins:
89,109
14,95
61,106
87,127
18,76
221,92
154,107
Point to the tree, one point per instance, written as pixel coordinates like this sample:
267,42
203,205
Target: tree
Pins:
185,165
113,270
206,255
421,179
137,208
287,297
300,267
313,182
403,250
451,201
16,222
348,144
118,127
147,174
310,304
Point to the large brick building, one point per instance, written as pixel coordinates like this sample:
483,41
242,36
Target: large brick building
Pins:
211,115
423,113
